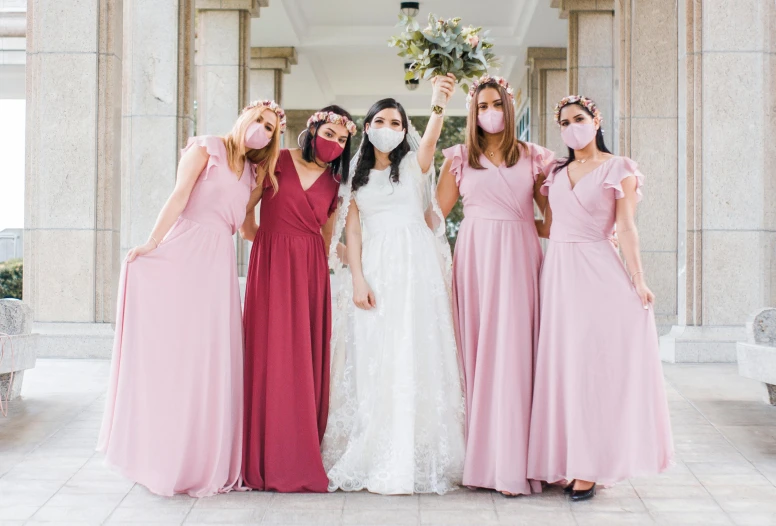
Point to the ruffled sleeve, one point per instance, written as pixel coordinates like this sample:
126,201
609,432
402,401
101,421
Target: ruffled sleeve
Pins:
458,155
621,168
542,160
549,180
215,149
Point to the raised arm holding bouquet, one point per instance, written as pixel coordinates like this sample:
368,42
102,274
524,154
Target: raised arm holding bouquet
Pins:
443,47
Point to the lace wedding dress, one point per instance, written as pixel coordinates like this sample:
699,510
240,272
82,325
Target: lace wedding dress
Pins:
396,419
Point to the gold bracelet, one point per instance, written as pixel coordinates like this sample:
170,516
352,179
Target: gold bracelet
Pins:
438,110
155,241
636,274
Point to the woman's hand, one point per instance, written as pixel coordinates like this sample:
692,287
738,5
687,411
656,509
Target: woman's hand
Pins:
443,88
140,250
363,296
646,295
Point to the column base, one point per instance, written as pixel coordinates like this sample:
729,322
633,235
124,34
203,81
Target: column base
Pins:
698,344
74,340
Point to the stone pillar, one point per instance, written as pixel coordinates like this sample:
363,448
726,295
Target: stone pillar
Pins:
222,62
72,191
591,56
267,67
727,176
157,109
548,79
648,120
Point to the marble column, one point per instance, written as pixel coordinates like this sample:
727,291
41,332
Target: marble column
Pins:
157,109
727,175
267,67
222,62
72,190
648,120
548,79
591,57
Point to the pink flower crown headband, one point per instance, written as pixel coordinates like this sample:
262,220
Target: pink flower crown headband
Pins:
588,104
271,104
333,118
487,79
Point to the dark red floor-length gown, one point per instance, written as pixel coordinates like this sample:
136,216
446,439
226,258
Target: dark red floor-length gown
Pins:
287,322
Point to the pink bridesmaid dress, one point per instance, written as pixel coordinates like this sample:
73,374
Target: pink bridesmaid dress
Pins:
496,313
173,418
599,411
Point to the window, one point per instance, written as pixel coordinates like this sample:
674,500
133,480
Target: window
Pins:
524,124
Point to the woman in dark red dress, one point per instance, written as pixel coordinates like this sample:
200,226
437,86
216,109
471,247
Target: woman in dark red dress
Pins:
287,315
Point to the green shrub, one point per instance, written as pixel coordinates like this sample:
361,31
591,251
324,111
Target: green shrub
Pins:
11,279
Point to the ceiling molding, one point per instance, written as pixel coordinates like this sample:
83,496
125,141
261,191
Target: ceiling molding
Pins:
376,36
321,76
296,17
524,23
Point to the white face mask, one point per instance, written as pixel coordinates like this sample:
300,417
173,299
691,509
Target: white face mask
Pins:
385,139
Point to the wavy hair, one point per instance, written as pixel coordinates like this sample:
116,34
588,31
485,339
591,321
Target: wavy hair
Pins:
235,145
366,160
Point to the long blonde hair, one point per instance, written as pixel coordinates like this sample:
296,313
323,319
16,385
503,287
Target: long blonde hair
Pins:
266,158
475,138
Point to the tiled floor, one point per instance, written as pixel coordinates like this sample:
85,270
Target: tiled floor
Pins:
725,473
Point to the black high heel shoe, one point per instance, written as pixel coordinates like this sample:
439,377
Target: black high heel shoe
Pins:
569,489
579,495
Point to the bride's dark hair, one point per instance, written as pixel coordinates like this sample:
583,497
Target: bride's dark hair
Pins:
366,160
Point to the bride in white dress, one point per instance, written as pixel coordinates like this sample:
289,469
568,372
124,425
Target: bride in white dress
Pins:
396,417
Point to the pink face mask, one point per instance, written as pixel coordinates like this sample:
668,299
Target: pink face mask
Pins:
256,136
491,121
327,150
578,135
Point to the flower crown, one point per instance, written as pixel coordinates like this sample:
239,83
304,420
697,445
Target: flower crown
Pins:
271,104
583,101
487,79
333,118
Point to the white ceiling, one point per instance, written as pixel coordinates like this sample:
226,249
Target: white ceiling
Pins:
344,56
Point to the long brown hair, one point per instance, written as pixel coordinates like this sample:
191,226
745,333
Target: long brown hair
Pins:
475,138
266,158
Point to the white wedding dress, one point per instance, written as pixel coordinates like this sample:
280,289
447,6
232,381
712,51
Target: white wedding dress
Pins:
396,419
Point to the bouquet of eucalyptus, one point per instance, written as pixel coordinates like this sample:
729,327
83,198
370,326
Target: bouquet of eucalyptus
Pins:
445,46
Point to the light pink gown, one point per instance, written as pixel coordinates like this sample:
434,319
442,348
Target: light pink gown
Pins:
173,418
599,412
496,313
